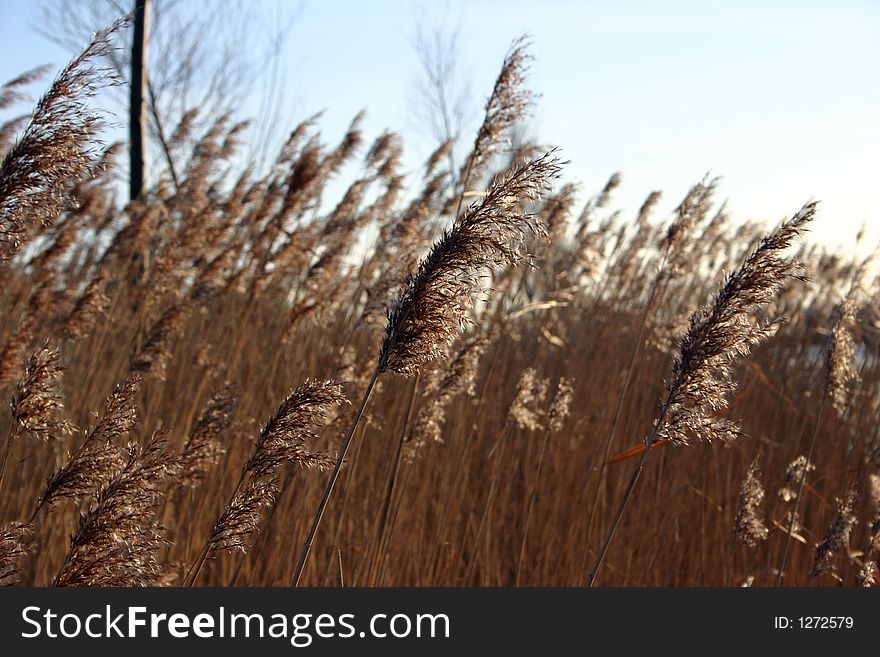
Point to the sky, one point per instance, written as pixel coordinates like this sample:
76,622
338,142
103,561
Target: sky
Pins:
778,98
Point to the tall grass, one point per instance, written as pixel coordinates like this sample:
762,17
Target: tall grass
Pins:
176,370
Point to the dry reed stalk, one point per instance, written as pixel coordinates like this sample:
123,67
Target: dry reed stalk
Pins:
717,336
836,539
204,448
37,402
95,461
443,386
284,438
15,539
380,533
839,372
749,526
527,412
559,410
118,540
508,103
431,309
55,149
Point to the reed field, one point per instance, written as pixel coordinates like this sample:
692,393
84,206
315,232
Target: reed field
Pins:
450,376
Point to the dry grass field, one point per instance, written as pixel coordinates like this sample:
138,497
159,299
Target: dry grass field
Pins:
503,380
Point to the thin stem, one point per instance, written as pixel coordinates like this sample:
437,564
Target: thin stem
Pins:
609,441
392,525
196,566
392,483
803,481
9,437
591,578
464,182
254,552
503,440
325,498
532,496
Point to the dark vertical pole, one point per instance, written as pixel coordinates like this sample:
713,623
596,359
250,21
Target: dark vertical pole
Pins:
137,116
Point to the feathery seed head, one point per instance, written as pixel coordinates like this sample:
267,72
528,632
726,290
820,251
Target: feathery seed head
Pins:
840,371
434,305
37,401
836,539
750,527
527,409
285,436
99,457
204,447
54,151
794,473
722,332
242,517
15,538
561,405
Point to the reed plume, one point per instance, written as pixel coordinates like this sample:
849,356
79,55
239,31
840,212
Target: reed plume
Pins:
54,150
15,539
868,574
241,517
436,301
284,438
527,410
749,526
840,355
795,471
99,457
204,447
37,402
443,386
721,333
507,104
118,540
836,540
718,334
10,92
560,407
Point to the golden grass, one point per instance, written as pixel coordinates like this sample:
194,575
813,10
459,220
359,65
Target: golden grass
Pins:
496,412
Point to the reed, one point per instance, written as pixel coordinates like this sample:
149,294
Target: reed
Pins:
500,333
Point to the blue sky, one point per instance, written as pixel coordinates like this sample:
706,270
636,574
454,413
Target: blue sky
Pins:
778,98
